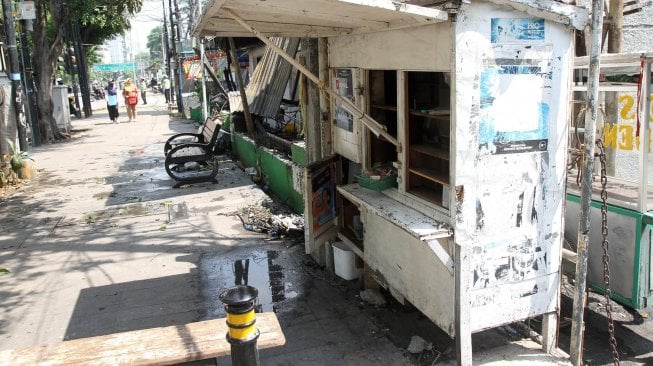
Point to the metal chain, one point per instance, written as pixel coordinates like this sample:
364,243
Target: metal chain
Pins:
606,255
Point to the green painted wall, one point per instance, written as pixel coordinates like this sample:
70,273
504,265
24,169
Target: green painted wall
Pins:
246,150
276,171
298,153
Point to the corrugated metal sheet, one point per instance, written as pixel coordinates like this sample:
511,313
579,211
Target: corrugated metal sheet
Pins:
268,82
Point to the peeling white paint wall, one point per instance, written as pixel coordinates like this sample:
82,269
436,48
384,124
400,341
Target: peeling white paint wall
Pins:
510,195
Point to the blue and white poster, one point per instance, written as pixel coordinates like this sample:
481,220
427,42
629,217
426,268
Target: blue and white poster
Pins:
515,94
507,30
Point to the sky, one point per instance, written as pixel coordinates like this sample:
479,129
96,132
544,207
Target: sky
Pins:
150,16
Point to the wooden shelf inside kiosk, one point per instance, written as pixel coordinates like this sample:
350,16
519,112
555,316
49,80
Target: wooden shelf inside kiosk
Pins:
442,114
431,150
384,107
430,174
428,133
428,194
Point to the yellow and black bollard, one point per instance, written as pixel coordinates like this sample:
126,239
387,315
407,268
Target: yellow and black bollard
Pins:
242,335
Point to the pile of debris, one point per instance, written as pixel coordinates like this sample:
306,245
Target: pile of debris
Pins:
266,217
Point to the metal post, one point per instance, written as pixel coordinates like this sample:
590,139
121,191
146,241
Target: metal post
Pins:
166,46
642,189
15,72
242,335
178,68
173,53
577,325
205,112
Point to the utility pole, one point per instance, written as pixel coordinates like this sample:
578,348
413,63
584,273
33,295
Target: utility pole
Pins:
173,70
580,292
14,65
166,46
178,68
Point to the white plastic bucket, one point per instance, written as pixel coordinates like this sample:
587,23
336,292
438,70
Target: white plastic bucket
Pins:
344,261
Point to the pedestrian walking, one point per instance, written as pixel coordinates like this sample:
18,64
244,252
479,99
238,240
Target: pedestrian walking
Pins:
143,86
153,84
112,101
166,88
130,92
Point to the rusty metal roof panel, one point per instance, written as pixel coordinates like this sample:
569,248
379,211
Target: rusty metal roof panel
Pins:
268,82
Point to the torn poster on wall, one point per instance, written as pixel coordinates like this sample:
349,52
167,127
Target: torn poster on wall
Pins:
515,89
509,261
324,193
506,30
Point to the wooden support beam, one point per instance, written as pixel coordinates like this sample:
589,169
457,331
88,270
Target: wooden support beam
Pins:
374,126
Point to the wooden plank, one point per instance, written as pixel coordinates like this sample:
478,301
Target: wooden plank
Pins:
431,175
415,223
350,243
427,194
385,107
463,308
549,332
431,150
317,17
155,346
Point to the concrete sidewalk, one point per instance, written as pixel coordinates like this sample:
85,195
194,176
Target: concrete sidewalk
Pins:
100,243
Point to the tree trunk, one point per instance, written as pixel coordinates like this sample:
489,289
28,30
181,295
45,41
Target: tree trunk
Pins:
44,62
5,99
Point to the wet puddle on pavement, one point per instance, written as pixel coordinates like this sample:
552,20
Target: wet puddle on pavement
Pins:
261,269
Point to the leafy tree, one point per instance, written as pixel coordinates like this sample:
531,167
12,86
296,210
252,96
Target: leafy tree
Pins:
154,42
99,20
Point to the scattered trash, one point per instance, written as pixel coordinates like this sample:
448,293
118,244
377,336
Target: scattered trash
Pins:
251,171
373,297
90,219
4,271
261,219
418,345
163,227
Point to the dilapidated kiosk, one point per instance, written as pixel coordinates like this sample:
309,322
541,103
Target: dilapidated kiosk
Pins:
444,135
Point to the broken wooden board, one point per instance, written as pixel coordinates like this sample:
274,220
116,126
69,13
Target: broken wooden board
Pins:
155,346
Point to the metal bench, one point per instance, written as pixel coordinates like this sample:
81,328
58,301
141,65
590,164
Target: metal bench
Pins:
156,346
195,161
203,136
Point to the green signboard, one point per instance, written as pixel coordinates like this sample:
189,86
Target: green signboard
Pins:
114,67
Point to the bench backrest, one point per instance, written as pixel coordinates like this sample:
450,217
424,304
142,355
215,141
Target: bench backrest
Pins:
210,131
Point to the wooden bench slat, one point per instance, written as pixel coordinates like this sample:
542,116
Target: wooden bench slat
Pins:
155,346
